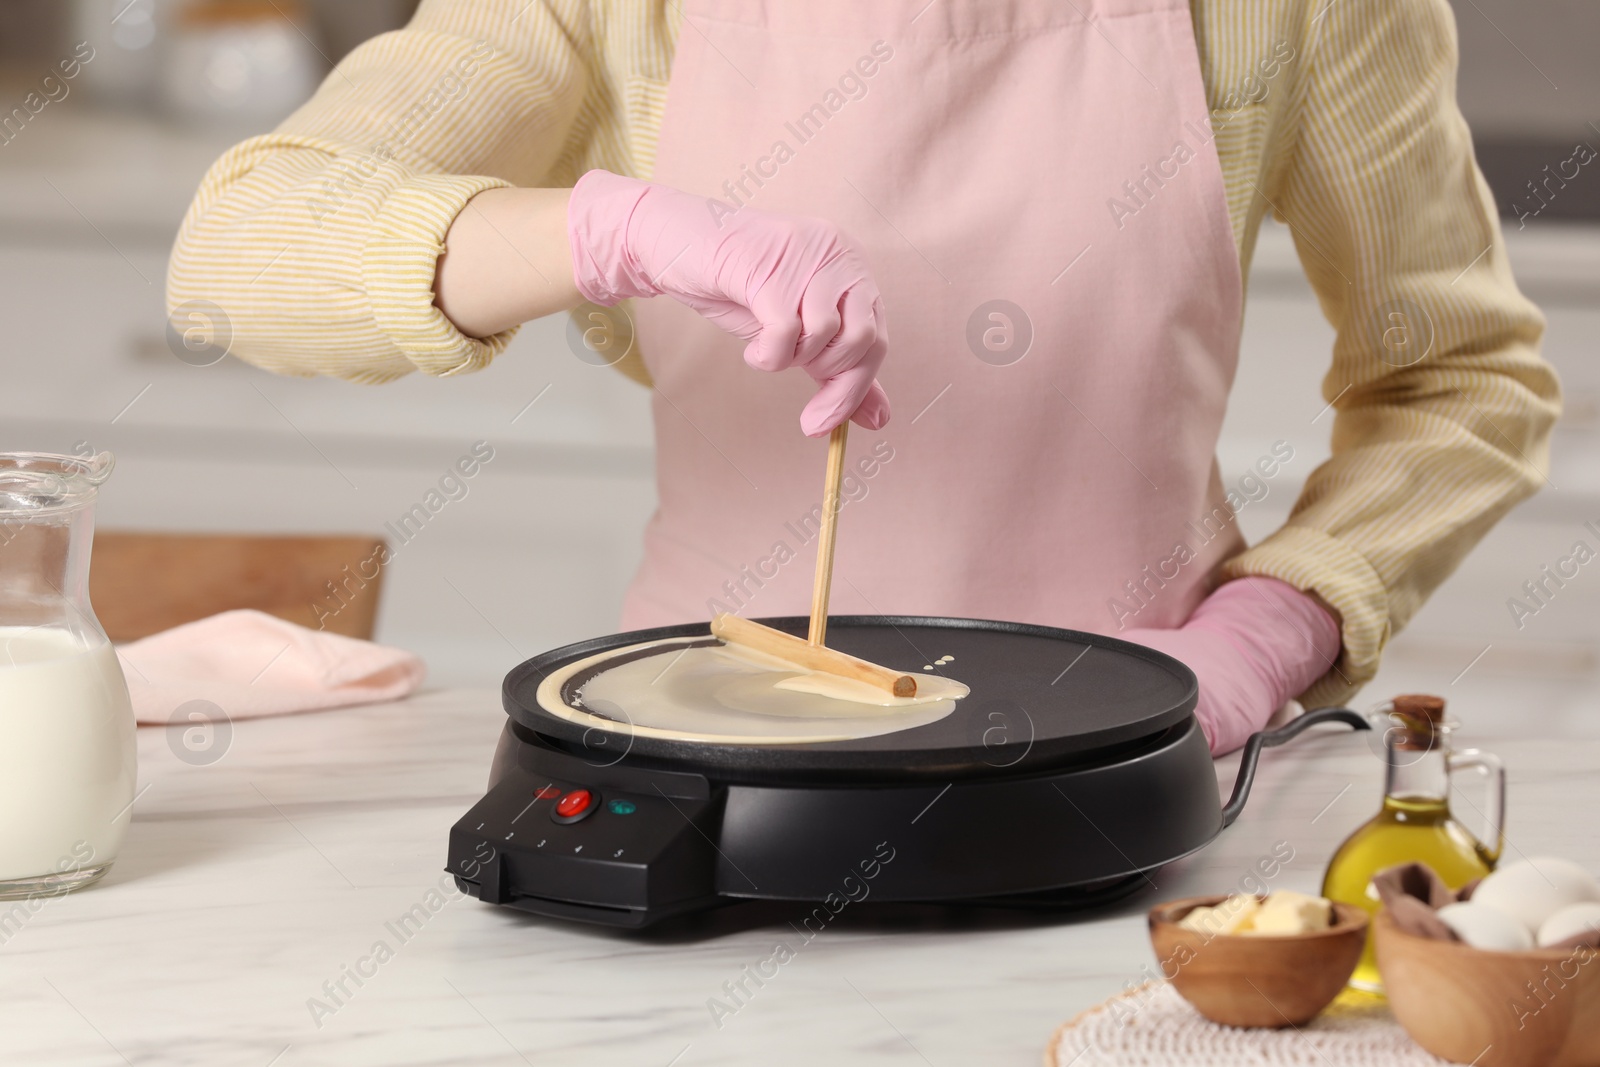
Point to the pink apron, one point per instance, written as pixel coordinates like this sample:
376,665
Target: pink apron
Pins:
1039,199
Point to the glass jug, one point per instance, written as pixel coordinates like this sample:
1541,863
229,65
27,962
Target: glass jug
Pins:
1415,823
67,750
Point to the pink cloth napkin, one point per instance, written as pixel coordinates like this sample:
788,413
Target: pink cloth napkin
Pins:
249,663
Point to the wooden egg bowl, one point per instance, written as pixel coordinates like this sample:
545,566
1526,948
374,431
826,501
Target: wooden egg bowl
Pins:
1539,1008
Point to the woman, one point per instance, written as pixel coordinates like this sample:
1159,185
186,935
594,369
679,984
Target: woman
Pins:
1053,204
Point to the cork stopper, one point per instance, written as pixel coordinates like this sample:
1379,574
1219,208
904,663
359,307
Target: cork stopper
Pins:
1420,714
237,12
1420,706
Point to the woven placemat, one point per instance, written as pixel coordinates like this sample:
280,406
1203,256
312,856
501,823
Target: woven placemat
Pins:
1152,1025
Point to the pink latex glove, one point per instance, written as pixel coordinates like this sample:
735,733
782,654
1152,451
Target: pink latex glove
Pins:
1254,643
793,287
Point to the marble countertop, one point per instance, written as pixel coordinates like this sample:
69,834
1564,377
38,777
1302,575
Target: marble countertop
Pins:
250,882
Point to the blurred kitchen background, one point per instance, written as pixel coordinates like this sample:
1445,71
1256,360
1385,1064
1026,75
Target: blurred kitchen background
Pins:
92,189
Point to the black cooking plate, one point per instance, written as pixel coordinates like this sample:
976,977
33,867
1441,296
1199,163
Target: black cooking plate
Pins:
1040,697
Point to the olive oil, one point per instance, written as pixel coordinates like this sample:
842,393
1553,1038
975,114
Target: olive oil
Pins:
1415,824
1407,830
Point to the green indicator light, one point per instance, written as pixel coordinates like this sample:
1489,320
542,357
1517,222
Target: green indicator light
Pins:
622,807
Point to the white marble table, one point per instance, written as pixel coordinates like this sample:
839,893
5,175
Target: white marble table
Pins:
249,883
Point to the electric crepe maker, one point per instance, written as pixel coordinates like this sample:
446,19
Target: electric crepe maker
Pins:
1073,769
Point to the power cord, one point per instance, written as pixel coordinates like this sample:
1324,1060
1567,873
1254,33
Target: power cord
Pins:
1274,738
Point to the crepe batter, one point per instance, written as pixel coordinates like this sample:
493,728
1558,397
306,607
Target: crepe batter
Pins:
728,694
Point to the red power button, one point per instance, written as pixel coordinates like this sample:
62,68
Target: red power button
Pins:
574,803
574,806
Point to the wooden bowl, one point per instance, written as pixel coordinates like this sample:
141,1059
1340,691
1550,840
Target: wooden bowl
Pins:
1257,981
1539,1008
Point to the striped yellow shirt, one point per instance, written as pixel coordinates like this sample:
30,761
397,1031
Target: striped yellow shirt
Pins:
1339,116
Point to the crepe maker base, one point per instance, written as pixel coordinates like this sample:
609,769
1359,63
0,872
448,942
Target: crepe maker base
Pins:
1074,767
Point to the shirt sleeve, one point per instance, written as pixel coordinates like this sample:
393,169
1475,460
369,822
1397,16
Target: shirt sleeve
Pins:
319,242
1443,404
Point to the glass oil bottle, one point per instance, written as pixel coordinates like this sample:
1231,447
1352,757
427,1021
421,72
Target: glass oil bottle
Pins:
1415,823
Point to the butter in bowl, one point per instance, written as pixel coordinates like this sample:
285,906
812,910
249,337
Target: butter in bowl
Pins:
1260,962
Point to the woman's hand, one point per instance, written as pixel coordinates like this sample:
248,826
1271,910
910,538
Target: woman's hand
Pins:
794,288
1253,644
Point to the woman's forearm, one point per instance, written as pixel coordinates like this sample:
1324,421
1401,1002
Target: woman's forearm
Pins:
506,261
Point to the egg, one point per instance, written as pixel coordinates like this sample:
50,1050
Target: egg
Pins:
1570,921
1532,890
1484,927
